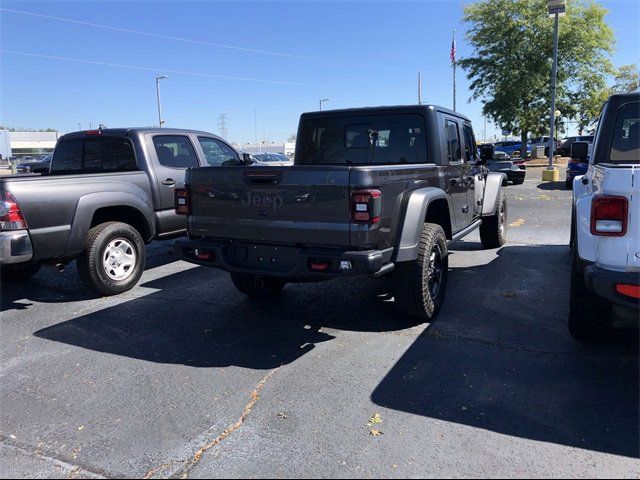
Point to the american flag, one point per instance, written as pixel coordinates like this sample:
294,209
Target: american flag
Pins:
453,49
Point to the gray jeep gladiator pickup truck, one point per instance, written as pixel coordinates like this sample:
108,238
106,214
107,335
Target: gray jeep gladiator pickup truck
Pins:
373,191
108,192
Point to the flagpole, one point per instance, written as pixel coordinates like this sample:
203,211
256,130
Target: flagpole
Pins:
453,60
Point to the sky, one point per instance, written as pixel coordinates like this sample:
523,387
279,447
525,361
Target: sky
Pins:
260,63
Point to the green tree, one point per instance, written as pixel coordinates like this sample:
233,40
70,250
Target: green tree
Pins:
510,68
626,79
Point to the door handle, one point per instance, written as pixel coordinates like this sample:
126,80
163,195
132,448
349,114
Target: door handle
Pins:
170,182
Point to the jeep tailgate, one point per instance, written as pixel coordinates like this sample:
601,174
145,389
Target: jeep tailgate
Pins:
298,204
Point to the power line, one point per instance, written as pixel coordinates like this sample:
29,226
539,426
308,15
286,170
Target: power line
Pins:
156,69
166,37
223,126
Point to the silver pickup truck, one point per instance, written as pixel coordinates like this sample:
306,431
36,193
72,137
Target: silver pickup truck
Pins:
108,192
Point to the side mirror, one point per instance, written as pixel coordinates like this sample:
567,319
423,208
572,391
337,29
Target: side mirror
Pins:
580,151
486,153
247,159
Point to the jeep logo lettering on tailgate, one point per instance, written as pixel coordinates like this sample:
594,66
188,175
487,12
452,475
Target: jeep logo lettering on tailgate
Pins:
264,200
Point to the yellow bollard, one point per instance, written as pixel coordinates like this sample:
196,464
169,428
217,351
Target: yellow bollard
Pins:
552,175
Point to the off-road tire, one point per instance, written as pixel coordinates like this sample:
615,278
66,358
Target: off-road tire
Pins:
568,184
414,294
18,273
258,287
520,181
493,230
90,263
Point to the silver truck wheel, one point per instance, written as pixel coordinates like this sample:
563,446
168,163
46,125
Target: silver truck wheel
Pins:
114,258
119,259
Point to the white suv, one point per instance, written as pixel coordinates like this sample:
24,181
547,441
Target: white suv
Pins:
605,224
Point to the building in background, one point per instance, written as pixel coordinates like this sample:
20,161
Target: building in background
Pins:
27,144
286,148
5,145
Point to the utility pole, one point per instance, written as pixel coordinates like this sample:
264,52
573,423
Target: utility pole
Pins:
419,89
323,100
484,132
79,126
161,77
223,126
556,8
255,126
453,63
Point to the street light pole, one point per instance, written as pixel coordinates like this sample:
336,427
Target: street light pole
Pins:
160,121
556,8
323,100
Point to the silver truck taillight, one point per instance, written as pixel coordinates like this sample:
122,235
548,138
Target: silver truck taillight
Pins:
11,217
609,215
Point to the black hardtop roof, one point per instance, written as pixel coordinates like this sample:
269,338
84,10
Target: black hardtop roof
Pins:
381,110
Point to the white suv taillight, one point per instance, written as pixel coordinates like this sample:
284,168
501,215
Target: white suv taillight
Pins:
11,217
609,215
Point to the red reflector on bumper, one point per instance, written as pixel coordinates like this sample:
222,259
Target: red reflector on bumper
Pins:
320,266
203,254
628,290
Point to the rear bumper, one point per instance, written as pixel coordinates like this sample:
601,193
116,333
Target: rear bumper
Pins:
292,263
603,283
15,247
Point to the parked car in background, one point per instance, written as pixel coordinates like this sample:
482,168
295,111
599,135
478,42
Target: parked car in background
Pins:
272,159
542,142
575,167
514,169
36,166
374,191
108,193
511,148
605,224
564,149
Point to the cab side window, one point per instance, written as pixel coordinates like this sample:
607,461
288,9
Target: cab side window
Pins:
453,141
470,147
175,151
217,153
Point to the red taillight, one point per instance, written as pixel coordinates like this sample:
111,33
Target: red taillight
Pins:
11,217
319,265
366,206
609,215
628,290
182,201
93,132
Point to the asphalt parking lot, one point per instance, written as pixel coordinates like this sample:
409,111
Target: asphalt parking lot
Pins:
183,376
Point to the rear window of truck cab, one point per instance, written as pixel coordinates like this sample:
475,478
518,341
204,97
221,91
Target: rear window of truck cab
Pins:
93,155
363,140
625,142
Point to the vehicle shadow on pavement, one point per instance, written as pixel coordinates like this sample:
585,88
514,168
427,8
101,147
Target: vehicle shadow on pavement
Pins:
499,358
552,186
197,318
51,286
